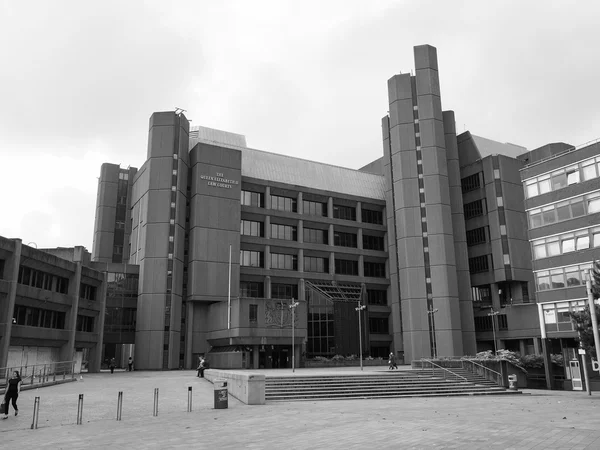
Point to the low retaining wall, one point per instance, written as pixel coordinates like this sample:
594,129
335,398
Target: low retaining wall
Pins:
247,388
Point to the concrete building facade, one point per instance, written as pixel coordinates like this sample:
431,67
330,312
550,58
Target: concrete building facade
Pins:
52,306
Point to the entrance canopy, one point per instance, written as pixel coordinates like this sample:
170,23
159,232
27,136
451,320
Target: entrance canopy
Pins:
337,292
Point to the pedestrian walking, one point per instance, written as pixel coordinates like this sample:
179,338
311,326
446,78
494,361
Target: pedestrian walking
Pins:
130,363
112,365
392,362
13,388
201,367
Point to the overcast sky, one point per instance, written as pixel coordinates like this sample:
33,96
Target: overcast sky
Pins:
79,81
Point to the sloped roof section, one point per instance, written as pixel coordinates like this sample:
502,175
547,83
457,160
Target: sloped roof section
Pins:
489,147
311,174
290,170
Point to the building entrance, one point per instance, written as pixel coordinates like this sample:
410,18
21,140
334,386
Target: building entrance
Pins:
275,357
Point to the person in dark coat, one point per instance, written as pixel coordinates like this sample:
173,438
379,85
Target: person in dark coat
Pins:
13,388
112,365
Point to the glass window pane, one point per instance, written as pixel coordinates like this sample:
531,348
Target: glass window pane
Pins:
539,251
545,185
577,208
559,180
535,219
593,206
568,245
572,175
573,276
596,238
563,211
543,281
589,170
583,242
548,215
532,189
553,248
557,279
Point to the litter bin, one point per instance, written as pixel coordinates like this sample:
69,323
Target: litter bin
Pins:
512,382
220,389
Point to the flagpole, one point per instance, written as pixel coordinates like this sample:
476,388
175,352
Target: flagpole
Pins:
229,293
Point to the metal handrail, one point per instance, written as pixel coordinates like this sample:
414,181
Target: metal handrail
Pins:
443,368
481,365
45,373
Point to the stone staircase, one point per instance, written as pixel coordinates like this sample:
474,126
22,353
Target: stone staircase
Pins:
384,384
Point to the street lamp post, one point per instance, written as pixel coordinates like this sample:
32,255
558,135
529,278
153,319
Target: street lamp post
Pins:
431,312
493,314
293,306
359,308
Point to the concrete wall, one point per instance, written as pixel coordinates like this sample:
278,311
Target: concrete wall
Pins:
246,387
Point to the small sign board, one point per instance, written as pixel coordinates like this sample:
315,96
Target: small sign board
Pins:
582,351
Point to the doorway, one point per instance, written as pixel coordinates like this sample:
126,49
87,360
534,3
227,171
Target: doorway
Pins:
576,375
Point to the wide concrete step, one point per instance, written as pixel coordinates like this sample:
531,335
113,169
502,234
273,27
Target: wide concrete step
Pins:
360,392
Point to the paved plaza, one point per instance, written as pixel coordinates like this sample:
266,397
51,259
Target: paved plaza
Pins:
540,420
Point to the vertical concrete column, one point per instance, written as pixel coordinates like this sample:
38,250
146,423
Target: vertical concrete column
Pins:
189,324
299,205
267,257
301,260
300,231
267,227
359,239
301,289
267,286
361,266
95,357
359,212
330,207
8,308
332,263
255,355
71,321
463,275
330,237
268,197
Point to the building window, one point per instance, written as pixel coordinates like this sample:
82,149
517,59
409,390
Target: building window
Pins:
118,250
379,325
62,285
525,291
470,183
284,291
476,236
344,212
38,317
374,269
250,258
371,216
373,242
473,209
314,208
377,297
346,267
321,336
478,264
564,243
314,264
253,289
341,239
87,292
571,276
252,228
285,232
484,323
284,262
559,179
85,323
482,294
314,236
249,198
253,313
565,210
283,203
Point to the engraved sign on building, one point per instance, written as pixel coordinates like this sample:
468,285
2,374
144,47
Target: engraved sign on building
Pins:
219,181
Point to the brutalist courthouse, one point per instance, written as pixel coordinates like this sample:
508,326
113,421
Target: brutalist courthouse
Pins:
227,238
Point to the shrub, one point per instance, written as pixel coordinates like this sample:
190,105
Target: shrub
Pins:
532,361
338,358
351,358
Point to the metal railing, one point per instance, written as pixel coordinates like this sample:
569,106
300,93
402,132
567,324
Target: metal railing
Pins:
488,374
40,374
447,373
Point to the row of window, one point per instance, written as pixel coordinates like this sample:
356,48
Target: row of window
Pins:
310,235
474,209
565,210
476,236
281,203
38,317
479,264
566,243
571,276
85,323
42,280
250,258
120,320
583,171
484,323
470,183
87,292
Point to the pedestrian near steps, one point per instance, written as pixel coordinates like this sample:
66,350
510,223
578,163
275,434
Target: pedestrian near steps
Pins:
392,361
13,388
